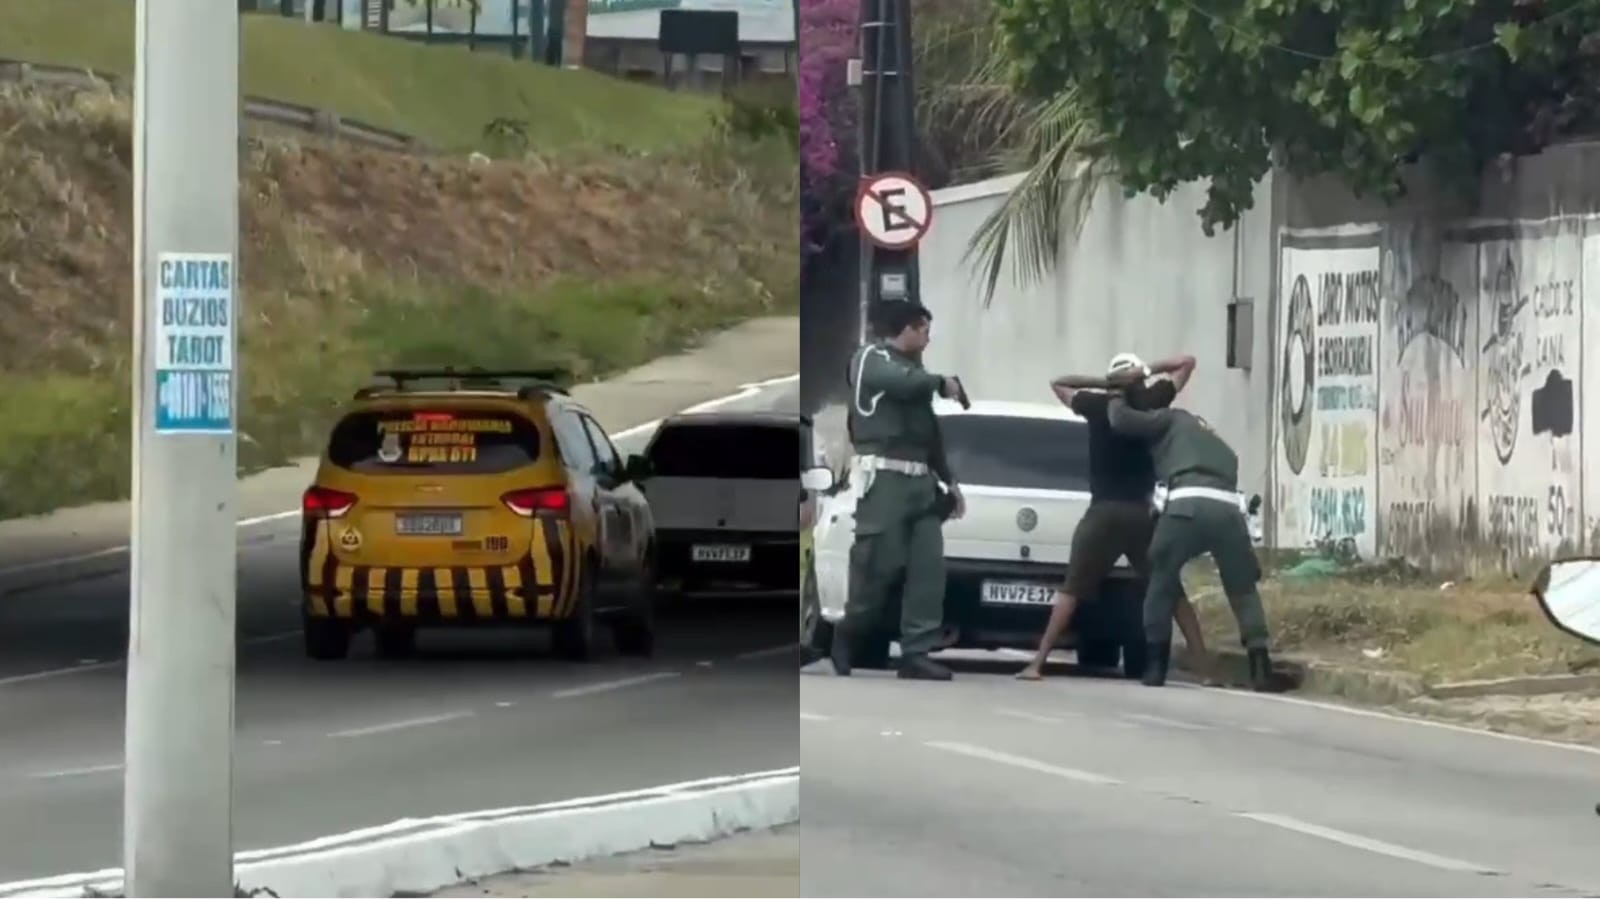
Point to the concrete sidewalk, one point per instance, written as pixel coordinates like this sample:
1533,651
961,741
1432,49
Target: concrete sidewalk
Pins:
754,351
754,864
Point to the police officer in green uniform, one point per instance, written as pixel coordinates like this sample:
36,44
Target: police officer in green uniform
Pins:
896,473
1203,513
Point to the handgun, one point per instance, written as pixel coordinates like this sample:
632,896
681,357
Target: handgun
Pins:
961,394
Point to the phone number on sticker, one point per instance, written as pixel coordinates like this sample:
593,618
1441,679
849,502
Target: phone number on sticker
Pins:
194,400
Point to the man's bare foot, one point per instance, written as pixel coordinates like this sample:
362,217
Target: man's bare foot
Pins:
1032,672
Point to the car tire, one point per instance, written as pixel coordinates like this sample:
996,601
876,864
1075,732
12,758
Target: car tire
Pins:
573,638
1098,654
395,640
327,639
816,632
871,652
1134,657
634,630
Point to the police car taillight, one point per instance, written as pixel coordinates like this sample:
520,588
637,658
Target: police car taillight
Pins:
320,502
528,503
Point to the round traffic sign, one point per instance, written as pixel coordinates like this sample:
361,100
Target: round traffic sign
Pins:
893,210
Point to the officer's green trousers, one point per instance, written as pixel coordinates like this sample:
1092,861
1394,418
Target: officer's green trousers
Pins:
1194,526
899,545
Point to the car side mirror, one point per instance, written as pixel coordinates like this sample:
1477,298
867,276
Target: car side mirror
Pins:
1568,591
817,480
637,468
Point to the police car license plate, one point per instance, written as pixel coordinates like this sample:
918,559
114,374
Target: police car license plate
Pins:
721,552
1013,593
431,524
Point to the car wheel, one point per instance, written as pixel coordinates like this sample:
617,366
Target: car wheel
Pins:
327,639
1098,654
872,652
573,638
1134,658
634,631
396,640
816,633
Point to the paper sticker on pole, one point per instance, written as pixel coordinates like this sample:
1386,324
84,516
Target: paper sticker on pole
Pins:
893,210
194,331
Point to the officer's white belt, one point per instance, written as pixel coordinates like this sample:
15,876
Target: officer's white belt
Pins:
1231,497
899,466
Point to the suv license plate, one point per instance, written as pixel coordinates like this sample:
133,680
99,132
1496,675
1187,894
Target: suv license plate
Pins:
432,524
721,552
1012,593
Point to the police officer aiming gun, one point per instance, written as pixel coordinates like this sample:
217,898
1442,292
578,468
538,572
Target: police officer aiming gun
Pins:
900,503
1203,513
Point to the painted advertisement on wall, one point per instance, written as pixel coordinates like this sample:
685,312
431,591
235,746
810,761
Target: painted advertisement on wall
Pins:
1589,390
1427,421
1529,299
1326,395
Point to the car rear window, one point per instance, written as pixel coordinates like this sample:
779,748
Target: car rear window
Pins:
761,452
434,441
1027,453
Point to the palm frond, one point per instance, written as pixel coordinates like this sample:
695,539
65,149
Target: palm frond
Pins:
1056,145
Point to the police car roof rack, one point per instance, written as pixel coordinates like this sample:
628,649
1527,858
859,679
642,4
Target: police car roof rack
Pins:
526,382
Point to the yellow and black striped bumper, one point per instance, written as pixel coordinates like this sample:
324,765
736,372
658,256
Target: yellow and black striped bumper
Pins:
541,586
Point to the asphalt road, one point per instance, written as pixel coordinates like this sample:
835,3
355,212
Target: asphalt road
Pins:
987,786
477,720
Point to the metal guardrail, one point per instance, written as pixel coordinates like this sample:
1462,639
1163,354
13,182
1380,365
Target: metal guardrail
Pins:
302,118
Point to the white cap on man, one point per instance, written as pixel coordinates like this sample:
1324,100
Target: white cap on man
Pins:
1124,361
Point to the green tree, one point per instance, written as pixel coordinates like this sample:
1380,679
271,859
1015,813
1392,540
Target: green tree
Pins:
1183,90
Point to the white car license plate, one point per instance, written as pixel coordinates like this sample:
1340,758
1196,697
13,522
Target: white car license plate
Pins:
1013,593
721,552
425,524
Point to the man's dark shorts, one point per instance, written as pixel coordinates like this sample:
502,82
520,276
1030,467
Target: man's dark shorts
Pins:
1109,530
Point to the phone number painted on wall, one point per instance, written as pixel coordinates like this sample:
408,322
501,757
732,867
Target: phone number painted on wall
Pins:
194,344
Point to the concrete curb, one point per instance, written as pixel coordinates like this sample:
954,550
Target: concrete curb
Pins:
419,856
1385,687
1373,687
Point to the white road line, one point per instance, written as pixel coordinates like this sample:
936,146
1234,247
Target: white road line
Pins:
1387,716
1164,722
1031,716
401,725
769,651
55,672
77,772
1356,841
746,391
270,638
1017,761
619,684
813,716
58,562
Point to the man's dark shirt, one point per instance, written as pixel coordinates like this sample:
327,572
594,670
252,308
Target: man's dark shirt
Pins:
1120,468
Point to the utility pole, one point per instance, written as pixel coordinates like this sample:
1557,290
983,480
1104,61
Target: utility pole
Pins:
888,139
178,780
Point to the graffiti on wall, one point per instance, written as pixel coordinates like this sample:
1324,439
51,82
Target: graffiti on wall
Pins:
1326,394
1528,458
1425,430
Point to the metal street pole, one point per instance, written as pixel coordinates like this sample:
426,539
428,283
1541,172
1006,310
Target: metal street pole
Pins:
888,136
177,827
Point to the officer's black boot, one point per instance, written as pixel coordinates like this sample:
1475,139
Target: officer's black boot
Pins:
920,667
839,653
1262,677
1158,656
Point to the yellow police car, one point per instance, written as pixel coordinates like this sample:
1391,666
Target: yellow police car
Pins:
469,497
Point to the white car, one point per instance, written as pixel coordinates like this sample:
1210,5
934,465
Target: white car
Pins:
724,490
1024,471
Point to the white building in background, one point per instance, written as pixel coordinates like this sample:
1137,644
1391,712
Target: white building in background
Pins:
622,35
